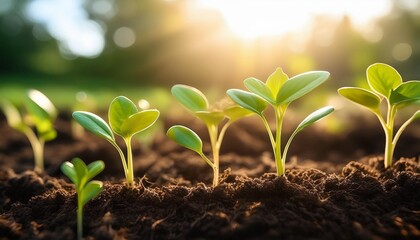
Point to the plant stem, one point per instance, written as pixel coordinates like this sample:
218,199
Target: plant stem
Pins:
280,162
79,217
37,148
216,151
130,172
123,160
389,134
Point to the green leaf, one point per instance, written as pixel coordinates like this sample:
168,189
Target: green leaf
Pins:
383,78
12,115
90,191
406,94
68,169
300,85
248,100
213,118
186,138
275,81
94,169
49,134
235,112
81,171
315,116
120,109
94,124
259,88
43,102
139,122
192,98
361,96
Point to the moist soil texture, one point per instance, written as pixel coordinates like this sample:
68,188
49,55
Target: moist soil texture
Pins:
335,188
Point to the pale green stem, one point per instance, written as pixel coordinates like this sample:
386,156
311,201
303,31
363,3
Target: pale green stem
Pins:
216,151
123,160
79,217
130,172
37,148
280,162
389,134
286,148
215,171
400,131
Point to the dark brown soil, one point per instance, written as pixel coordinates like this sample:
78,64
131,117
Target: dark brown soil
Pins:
340,199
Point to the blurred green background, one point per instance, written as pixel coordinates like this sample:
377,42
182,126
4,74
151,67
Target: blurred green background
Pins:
104,48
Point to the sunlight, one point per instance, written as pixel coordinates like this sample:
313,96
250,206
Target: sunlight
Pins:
258,18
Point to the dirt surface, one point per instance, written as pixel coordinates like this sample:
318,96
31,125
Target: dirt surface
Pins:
340,199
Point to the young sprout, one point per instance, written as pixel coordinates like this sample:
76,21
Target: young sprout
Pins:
386,83
80,175
196,102
40,115
279,91
125,120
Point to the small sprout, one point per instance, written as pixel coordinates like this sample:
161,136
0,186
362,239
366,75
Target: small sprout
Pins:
386,83
279,91
80,175
40,114
125,120
196,102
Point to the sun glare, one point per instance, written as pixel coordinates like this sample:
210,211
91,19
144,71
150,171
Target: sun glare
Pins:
258,18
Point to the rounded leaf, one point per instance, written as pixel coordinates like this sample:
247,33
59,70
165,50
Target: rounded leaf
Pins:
361,96
120,109
276,80
259,88
81,170
315,116
12,115
248,100
192,98
139,122
68,169
90,191
300,85
186,138
383,78
94,168
213,118
406,93
235,112
94,124
43,102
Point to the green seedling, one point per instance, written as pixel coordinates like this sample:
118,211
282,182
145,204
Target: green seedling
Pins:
37,122
386,83
279,91
80,175
213,117
125,120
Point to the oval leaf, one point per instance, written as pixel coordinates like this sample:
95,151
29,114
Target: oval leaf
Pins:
90,191
406,94
383,78
248,100
192,98
315,116
235,112
43,102
139,122
186,138
94,169
212,118
361,96
81,170
300,85
68,169
120,109
256,86
94,124
275,81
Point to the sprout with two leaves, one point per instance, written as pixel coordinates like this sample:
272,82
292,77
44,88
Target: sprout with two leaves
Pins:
386,83
213,117
125,120
40,115
279,91
80,175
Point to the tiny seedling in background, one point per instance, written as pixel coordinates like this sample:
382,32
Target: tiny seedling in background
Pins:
386,83
80,175
279,91
40,114
196,102
125,120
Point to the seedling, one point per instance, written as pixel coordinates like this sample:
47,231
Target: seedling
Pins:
125,120
213,117
80,175
279,91
386,83
37,122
